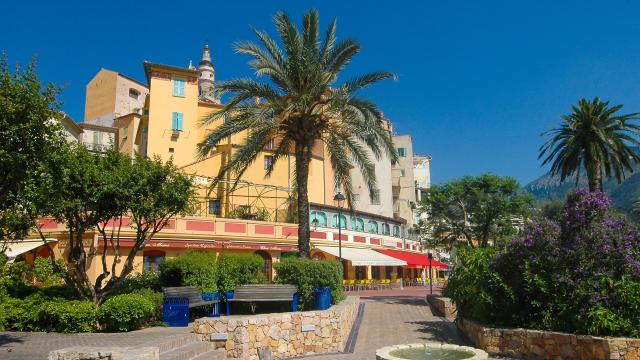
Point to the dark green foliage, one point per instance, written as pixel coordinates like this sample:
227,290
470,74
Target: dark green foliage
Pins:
38,313
126,312
194,268
483,210
46,274
579,275
156,298
145,280
302,104
239,269
309,274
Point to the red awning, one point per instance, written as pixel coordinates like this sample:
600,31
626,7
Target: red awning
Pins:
414,260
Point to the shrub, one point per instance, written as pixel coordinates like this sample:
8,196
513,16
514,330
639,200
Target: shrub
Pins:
37,313
580,275
194,268
308,274
67,316
145,280
156,298
126,312
239,269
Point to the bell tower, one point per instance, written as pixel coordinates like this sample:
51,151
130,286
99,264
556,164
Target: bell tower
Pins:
206,77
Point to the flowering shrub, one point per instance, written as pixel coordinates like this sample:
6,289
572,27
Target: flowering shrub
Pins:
579,275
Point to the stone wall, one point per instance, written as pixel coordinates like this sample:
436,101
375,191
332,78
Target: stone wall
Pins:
105,353
443,306
534,344
286,334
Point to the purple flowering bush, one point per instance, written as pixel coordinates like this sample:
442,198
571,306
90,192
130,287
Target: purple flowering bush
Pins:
579,275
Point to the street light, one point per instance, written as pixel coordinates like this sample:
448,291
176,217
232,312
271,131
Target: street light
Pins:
430,272
339,198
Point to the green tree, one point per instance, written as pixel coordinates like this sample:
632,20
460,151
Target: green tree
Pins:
98,193
29,141
302,105
481,210
593,137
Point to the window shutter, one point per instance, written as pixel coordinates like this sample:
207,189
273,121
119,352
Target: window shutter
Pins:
174,121
175,87
182,86
180,118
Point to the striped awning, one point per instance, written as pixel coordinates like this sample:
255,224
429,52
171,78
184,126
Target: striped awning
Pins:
363,257
19,247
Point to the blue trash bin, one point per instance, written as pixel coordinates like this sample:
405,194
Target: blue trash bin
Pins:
175,311
211,296
323,297
228,296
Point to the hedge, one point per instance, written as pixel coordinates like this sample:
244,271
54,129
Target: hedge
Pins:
308,274
239,269
126,312
194,268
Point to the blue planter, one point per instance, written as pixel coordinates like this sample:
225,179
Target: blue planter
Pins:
323,297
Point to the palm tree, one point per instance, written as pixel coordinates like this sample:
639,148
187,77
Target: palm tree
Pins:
592,137
301,104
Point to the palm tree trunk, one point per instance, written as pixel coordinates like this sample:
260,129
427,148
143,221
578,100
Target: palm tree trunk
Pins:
303,156
594,173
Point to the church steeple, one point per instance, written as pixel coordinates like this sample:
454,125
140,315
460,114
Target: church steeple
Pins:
206,76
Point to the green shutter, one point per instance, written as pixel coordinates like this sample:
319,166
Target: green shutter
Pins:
180,118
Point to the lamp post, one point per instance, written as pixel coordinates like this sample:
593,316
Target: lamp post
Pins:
339,199
430,274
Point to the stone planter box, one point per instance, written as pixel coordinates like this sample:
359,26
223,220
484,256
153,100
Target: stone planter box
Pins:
286,334
443,306
105,353
535,344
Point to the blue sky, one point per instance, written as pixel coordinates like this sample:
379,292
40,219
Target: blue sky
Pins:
478,80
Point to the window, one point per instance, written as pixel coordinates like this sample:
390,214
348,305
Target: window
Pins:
385,229
133,93
97,139
401,172
176,121
396,231
178,87
266,264
373,226
268,162
375,272
271,145
357,224
402,152
320,216
343,221
375,197
171,150
125,132
214,207
389,271
152,260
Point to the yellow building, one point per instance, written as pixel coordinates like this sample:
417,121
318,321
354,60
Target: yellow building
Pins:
256,216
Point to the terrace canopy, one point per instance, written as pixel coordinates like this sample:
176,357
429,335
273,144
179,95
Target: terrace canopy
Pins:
414,260
363,257
19,247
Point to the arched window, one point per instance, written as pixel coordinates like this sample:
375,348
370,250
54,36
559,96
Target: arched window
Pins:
385,229
343,221
373,226
266,264
320,216
152,260
357,224
396,231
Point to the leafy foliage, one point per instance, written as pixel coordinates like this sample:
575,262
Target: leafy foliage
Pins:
481,210
581,275
300,106
30,138
593,137
145,280
239,269
194,268
46,273
309,274
126,312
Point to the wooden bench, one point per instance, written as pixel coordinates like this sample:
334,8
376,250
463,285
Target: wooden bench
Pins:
178,300
263,293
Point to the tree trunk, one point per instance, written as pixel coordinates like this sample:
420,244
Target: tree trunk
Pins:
594,175
303,156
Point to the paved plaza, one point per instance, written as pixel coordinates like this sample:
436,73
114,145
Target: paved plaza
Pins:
390,317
